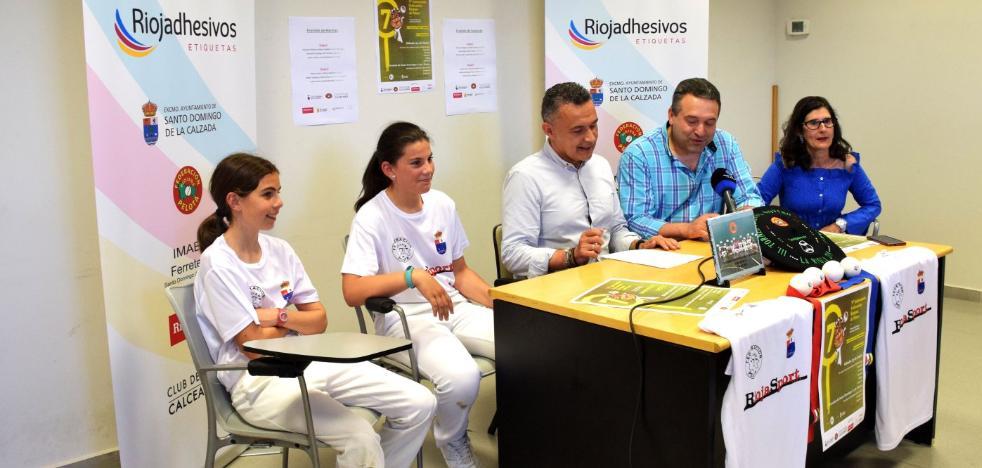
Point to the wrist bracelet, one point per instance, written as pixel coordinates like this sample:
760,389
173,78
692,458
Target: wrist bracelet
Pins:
570,258
409,277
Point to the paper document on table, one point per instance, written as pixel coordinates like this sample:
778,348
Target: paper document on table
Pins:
652,257
848,242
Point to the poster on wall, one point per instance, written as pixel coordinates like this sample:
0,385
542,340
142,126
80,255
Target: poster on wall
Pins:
842,370
323,70
470,64
404,53
171,90
629,55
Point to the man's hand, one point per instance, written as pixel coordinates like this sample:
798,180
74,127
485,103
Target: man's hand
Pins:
698,229
660,242
591,242
434,293
831,228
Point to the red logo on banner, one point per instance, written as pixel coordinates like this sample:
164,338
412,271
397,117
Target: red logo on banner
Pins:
625,133
175,330
458,95
415,89
187,189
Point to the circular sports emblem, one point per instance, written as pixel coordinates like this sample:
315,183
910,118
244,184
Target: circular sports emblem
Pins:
402,250
778,222
257,294
897,295
753,361
187,189
625,134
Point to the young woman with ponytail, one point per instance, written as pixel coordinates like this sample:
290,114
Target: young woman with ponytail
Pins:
407,243
251,286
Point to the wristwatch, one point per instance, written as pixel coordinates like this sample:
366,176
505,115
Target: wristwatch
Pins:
841,222
281,318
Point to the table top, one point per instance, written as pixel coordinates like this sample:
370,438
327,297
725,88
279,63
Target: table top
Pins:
329,347
554,292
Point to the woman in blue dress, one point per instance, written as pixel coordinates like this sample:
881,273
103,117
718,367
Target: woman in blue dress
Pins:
815,170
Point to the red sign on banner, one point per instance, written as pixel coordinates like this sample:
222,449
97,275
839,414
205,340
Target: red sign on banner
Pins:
175,330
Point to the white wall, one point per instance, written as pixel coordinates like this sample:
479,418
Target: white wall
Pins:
56,398
904,78
742,65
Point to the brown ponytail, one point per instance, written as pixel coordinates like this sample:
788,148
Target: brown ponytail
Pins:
391,143
238,173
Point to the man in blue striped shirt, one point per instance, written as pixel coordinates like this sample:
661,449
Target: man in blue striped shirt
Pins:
664,177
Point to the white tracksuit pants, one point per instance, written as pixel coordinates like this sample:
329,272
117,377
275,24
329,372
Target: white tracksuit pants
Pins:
408,407
443,349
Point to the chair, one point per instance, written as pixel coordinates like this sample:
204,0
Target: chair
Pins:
504,276
385,305
219,404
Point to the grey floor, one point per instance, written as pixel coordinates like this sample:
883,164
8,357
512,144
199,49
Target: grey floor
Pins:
958,442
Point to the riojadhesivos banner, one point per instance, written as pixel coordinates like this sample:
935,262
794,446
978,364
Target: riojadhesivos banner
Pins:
630,55
171,89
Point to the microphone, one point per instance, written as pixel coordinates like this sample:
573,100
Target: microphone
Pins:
724,185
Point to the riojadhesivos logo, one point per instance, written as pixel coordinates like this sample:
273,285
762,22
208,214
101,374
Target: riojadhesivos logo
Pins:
581,41
150,129
127,43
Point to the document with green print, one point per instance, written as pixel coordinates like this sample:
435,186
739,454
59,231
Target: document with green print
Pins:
625,294
848,242
842,370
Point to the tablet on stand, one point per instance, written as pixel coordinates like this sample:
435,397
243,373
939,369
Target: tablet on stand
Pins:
735,247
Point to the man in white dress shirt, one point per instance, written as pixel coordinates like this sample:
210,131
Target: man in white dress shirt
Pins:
560,206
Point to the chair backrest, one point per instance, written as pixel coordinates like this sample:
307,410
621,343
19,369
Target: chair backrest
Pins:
216,397
496,234
358,312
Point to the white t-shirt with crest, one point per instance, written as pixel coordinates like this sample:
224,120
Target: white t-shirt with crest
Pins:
385,239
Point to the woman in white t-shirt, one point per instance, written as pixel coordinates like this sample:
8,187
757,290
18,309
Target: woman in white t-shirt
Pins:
407,243
244,288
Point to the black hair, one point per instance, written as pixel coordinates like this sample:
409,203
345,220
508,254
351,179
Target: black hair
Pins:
793,150
238,173
698,87
563,93
391,144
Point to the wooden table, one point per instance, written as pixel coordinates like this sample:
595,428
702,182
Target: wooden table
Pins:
568,374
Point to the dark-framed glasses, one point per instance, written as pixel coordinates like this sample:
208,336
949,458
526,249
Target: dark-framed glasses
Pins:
814,123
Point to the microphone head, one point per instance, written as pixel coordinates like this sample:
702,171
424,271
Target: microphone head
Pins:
722,181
